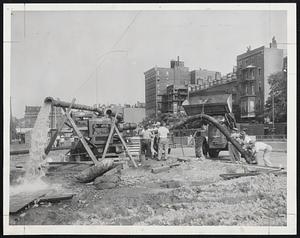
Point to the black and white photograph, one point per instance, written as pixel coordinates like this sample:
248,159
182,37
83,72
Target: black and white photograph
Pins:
149,118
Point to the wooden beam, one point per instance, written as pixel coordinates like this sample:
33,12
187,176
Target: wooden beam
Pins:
112,130
53,138
125,146
82,139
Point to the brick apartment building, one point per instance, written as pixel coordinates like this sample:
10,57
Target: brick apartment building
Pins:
253,69
248,83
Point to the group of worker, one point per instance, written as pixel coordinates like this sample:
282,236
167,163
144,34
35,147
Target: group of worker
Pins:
155,142
250,146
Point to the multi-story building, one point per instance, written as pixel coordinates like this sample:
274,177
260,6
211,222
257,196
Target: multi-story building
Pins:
204,77
253,69
157,79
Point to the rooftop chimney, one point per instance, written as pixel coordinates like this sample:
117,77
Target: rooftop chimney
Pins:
273,44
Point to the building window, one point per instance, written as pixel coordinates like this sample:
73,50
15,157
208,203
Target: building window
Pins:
259,71
244,107
251,107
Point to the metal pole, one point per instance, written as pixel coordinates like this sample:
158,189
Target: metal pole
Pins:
188,92
273,111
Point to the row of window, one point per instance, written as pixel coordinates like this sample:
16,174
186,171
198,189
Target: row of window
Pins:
254,59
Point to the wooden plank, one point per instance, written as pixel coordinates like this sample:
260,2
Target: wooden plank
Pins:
238,175
19,201
125,146
163,168
55,197
112,129
70,162
82,139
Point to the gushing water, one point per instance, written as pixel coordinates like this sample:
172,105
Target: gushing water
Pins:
39,139
33,178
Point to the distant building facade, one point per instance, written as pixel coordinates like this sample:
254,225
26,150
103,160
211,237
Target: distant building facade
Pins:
204,77
174,98
157,80
253,69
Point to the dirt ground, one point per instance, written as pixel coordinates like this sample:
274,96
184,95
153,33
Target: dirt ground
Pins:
192,193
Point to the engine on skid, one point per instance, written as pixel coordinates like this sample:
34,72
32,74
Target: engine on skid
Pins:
94,125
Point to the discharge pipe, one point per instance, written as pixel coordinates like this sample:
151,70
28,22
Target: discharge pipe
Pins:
222,129
59,103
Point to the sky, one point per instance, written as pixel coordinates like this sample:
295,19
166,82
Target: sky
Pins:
101,56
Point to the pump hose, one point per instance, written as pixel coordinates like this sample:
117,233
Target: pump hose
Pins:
223,130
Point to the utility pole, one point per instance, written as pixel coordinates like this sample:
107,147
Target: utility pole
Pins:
188,92
273,112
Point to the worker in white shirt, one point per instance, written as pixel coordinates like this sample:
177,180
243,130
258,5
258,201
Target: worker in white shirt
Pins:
163,143
267,149
146,142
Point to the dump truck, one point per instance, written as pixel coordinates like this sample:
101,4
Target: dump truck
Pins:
220,108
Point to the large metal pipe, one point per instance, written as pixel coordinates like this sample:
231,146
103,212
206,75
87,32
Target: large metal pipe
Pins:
63,104
222,129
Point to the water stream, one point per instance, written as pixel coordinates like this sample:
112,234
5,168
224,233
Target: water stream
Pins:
34,169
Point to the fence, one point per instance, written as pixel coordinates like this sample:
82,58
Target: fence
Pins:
271,137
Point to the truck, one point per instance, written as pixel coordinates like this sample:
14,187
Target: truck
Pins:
220,108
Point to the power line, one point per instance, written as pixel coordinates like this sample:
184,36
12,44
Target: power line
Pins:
110,51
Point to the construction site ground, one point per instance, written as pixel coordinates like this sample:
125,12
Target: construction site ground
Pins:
192,193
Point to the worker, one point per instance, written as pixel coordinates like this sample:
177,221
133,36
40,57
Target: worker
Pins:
199,139
154,144
244,137
234,153
267,149
146,137
163,143
57,141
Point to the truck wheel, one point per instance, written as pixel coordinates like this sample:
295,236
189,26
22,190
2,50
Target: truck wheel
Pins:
213,153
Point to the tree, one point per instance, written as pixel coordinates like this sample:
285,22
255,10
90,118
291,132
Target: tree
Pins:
278,90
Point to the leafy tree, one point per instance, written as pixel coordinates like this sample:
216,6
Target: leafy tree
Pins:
278,89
